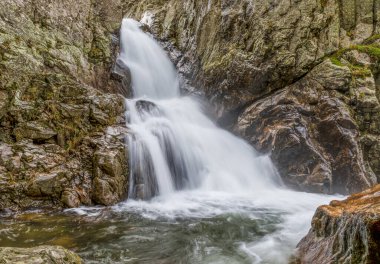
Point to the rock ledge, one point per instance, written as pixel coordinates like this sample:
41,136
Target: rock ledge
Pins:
345,231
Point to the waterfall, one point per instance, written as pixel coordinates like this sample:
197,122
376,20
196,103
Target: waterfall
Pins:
173,145
197,192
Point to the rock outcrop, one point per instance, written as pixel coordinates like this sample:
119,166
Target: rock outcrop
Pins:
345,231
306,56
310,132
39,255
62,121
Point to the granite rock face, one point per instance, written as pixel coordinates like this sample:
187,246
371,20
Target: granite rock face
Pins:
244,49
39,255
345,231
310,132
59,105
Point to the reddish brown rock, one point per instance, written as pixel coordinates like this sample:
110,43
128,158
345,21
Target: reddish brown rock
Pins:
345,231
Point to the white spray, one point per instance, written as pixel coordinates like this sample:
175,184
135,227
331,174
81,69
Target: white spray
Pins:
186,149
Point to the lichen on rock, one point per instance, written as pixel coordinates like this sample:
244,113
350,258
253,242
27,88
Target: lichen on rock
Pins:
58,103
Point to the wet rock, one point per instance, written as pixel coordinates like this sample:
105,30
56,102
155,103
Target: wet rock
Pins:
46,175
310,134
142,172
39,255
147,108
345,231
105,108
242,50
122,74
47,184
70,199
239,53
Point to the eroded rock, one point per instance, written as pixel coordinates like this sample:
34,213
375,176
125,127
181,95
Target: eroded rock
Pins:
111,174
239,53
58,102
46,175
241,50
345,231
310,133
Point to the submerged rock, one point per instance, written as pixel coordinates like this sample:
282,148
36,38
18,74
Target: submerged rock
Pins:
39,255
345,231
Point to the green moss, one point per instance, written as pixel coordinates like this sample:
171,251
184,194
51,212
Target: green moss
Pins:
350,34
358,71
372,50
224,61
372,39
341,52
100,49
336,61
220,62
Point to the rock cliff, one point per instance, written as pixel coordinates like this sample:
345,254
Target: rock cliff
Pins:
62,121
298,79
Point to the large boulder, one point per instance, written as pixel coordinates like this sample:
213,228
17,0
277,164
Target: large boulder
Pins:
39,255
345,231
310,132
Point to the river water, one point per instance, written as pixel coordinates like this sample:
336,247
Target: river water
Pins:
198,194
185,227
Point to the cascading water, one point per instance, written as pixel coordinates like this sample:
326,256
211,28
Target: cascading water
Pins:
198,194
194,170
173,145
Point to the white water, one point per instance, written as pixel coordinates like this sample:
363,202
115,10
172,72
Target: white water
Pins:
193,167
